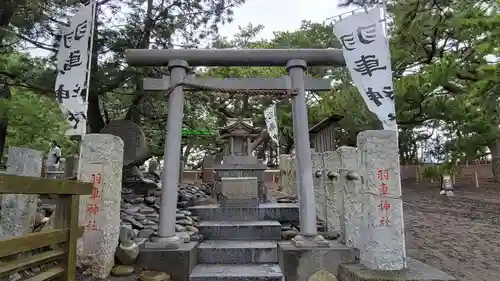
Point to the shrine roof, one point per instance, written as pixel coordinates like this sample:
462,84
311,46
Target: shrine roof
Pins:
239,125
325,123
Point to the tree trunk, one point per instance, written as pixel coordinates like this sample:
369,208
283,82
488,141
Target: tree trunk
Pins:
4,94
495,160
134,112
6,13
94,116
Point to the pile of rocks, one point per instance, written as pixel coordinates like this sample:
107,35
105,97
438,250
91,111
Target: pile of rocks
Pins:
291,229
140,211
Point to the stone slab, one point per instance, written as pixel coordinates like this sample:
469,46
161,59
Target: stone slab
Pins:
236,272
240,160
233,167
237,252
240,188
179,263
333,194
240,230
415,271
18,211
101,162
299,264
135,145
282,212
382,236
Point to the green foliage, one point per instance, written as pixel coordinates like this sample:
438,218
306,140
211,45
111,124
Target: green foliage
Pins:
436,171
34,121
445,75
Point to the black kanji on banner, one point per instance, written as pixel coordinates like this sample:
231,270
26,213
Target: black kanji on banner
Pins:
368,64
76,34
366,35
374,96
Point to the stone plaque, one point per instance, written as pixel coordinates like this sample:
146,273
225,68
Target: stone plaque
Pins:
135,146
240,188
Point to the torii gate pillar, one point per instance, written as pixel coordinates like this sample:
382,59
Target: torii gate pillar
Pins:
295,60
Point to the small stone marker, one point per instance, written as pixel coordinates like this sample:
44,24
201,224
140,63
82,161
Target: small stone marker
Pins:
101,164
382,228
18,211
447,185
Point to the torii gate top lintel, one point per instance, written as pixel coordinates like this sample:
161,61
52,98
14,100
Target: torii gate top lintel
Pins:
235,57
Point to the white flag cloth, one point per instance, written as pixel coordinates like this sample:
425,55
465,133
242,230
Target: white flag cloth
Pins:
367,57
72,68
271,123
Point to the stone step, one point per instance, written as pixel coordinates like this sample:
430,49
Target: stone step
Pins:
282,212
240,230
237,252
236,272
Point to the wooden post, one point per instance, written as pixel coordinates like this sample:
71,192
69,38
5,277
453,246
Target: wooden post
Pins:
67,218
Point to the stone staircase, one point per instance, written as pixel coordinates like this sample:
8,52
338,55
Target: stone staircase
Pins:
240,242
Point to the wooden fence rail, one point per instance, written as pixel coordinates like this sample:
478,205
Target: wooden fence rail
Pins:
61,241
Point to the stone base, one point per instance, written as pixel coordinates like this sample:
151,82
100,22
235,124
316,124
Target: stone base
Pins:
282,212
317,241
299,264
415,271
242,203
179,263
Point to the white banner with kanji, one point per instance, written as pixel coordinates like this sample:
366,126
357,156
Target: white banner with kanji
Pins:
72,69
367,57
272,123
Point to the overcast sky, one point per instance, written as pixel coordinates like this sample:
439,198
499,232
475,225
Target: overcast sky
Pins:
280,15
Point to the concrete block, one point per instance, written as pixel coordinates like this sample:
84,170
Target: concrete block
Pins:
415,271
216,213
240,230
299,264
236,272
282,212
237,252
179,263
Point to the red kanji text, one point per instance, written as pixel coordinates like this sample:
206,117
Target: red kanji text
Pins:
93,209
383,174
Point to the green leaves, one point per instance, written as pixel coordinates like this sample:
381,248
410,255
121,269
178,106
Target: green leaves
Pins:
34,121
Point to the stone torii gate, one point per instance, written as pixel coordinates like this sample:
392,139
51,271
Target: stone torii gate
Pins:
295,60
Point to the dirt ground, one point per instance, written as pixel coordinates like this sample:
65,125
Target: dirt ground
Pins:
459,235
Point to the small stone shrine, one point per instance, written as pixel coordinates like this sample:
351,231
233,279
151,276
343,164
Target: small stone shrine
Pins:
240,166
